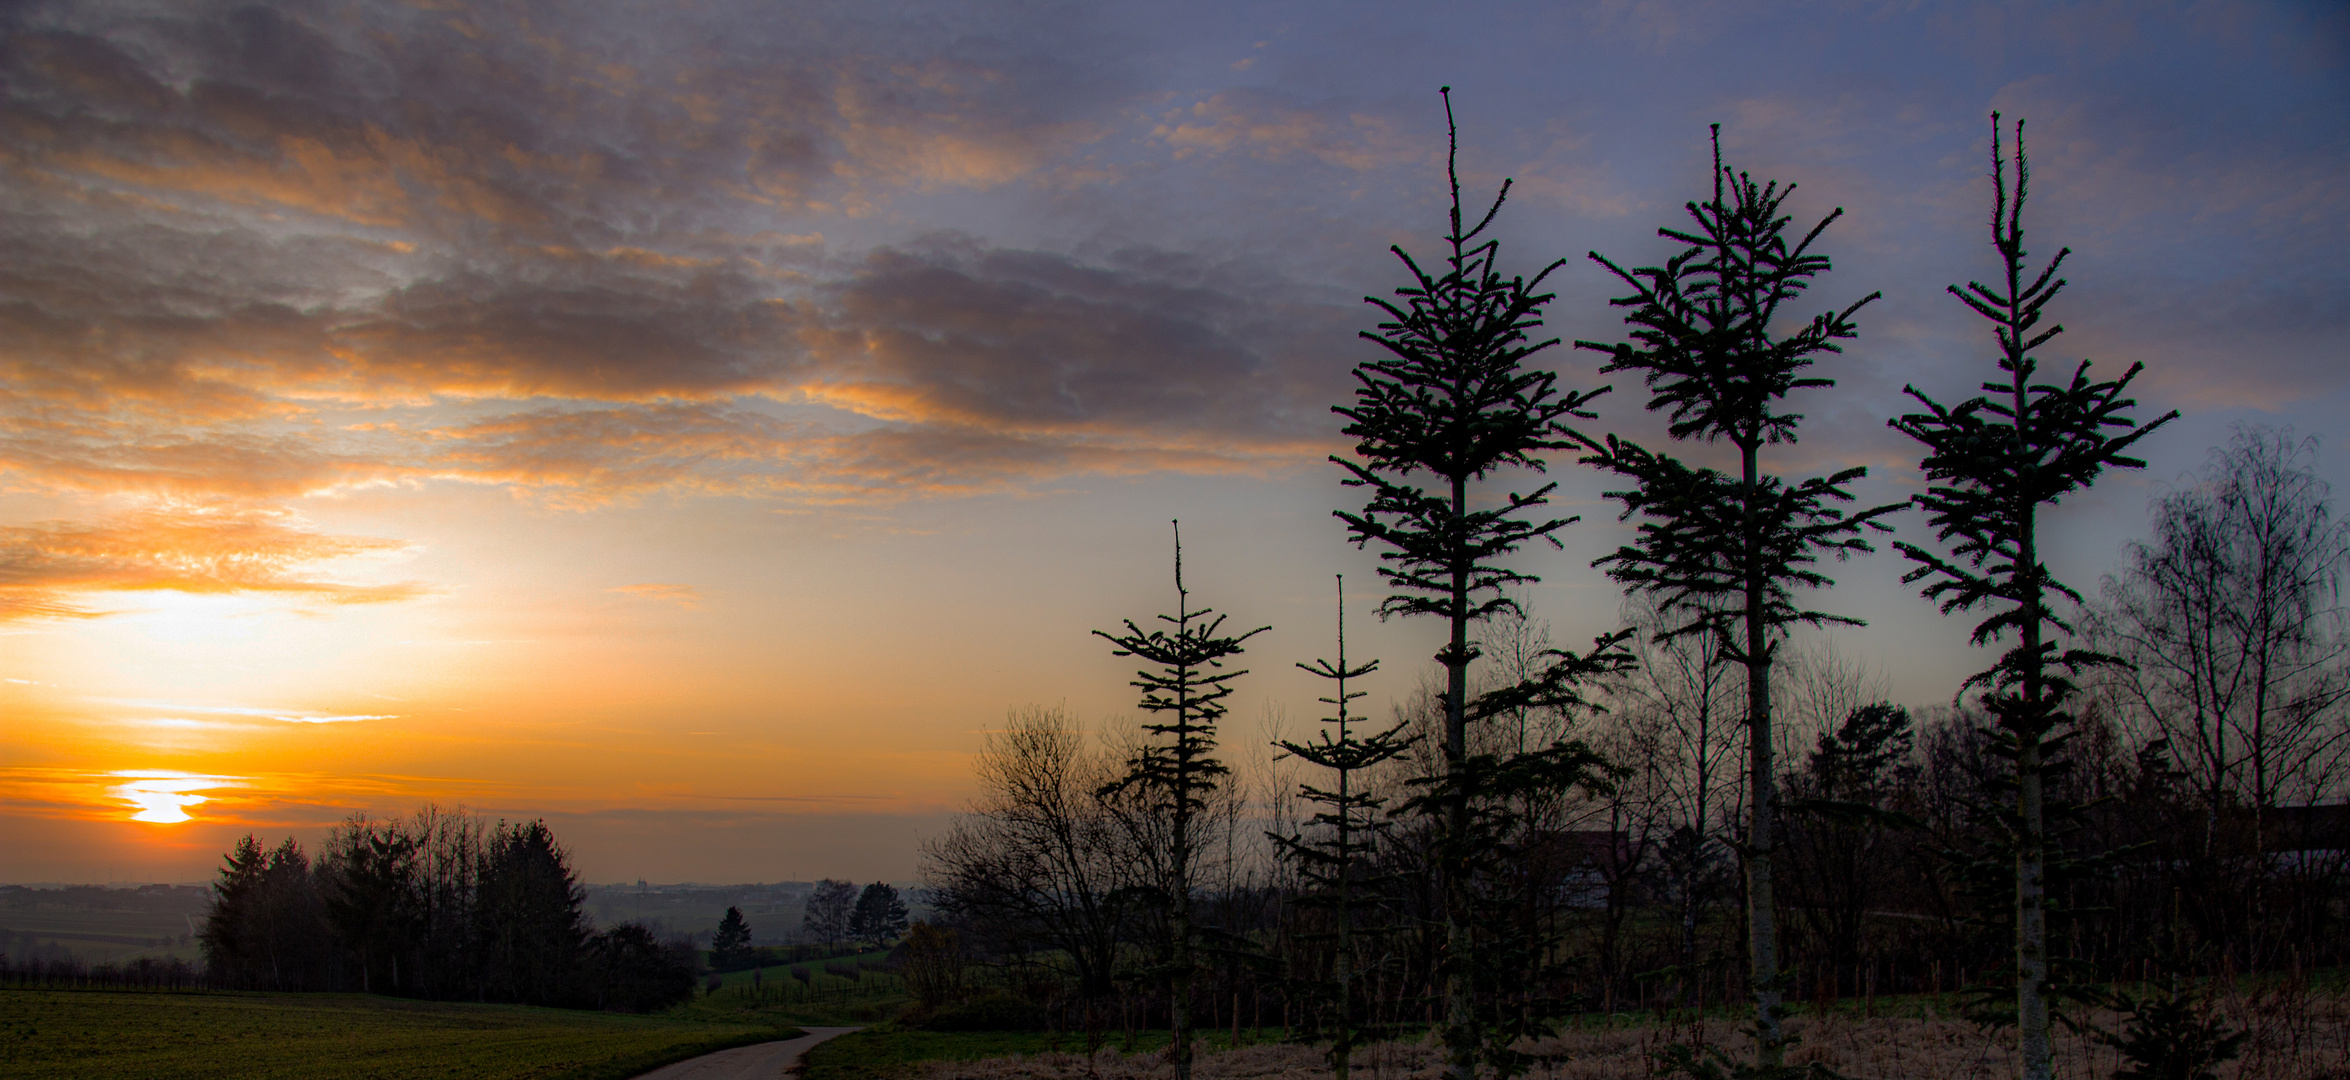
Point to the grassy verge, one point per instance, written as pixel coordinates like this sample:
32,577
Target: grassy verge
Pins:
157,1036
889,1053
773,996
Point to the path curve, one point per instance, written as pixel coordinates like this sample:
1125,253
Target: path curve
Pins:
766,1061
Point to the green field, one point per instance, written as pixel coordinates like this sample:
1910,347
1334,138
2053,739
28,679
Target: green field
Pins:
158,1036
95,925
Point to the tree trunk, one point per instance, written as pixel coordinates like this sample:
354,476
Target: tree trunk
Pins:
1460,989
1762,923
1343,1047
2031,861
2031,916
1179,980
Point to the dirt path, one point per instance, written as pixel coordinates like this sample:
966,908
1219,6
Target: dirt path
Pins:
766,1061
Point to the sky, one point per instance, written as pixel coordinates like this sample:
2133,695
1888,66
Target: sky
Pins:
696,424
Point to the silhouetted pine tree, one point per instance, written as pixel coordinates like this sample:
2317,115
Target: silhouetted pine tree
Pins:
1185,687
1991,462
528,915
1350,823
267,929
730,946
1724,554
1455,401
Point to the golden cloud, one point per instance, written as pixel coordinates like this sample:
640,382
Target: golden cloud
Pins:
684,596
46,569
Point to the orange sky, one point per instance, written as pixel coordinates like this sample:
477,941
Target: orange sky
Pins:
697,431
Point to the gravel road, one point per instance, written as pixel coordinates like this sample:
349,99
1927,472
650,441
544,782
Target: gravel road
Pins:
766,1061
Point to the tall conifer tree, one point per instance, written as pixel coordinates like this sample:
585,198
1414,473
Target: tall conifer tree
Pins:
730,945
1454,400
1184,687
1724,554
1991,463
1332,863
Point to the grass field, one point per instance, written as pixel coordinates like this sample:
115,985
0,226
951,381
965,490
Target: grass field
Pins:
2297,1029
158,1036
825,1000
95,925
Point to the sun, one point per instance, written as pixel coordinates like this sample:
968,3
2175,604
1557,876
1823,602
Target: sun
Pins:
163,797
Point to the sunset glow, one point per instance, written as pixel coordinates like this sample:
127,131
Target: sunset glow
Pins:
695,427
164,797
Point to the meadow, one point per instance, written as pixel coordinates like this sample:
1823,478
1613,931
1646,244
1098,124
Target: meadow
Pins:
93,925
69,1035
2297,1029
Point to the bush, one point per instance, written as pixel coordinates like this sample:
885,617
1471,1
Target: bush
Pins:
2173,1036
988,1012
632,971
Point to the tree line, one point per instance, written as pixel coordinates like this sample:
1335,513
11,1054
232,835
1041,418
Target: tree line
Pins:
441,905
2148,781
836,916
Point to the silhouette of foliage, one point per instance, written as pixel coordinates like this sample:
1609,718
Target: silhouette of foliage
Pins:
1992,461
1724,555
1455,399
1184,690
730,946
1349,826
880,915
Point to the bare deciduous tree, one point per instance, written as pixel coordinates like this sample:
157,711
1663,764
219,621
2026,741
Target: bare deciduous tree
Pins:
1681,712
2231,619
826,916
1042,863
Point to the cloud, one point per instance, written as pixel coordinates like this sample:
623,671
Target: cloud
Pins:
600,335
952,332
287,716
148,459
586,457
213,209
235,327
47,569
684,596
1251,122
264,252
521,121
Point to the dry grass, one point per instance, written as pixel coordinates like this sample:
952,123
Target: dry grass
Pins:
2296,1035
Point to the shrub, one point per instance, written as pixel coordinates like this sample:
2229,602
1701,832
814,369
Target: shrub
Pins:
997,1011
633,971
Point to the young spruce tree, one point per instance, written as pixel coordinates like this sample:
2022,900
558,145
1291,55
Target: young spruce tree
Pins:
730,946
1454,400
1331,863
1185,687
1991,463
1725,554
